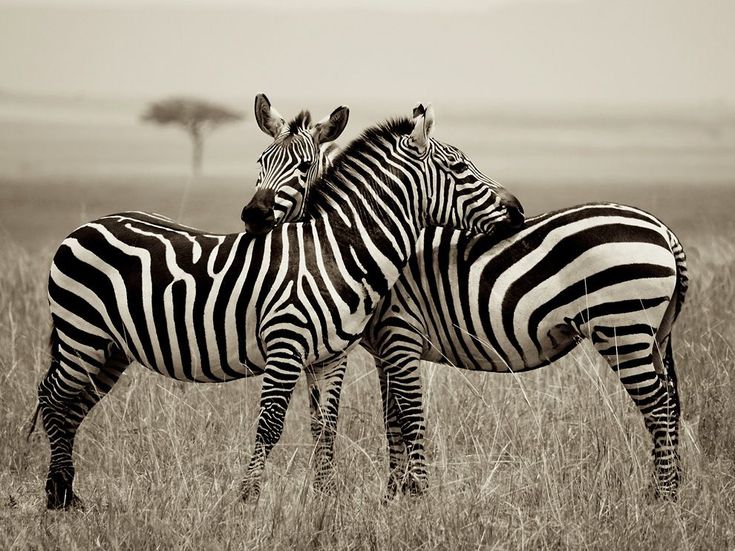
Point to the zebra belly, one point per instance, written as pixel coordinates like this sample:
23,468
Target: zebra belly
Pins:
192,359
476,351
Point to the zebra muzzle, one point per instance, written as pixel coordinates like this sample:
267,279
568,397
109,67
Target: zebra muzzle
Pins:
514,208
258,215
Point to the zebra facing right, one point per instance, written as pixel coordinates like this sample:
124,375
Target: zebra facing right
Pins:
605,272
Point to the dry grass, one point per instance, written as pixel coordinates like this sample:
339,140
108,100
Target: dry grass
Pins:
565,463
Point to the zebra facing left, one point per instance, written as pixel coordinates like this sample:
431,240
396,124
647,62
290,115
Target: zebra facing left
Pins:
206,307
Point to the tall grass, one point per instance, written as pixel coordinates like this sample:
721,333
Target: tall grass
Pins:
552,459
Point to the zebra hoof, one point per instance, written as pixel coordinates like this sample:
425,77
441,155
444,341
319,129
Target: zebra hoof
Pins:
249,494
666,494
250,498
59,493
393,487
656,492
328,486
414,486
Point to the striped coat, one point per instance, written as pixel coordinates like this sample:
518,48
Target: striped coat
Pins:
605,272
211,308
610,273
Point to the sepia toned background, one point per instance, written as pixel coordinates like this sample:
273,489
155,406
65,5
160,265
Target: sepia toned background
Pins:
551,93
562,101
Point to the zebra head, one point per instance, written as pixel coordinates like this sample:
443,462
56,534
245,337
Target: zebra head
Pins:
458,194
300,152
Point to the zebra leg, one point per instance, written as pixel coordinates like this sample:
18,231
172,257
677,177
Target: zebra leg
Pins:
283,367
654,393
397,456
99,385
324,415
403,383
74,383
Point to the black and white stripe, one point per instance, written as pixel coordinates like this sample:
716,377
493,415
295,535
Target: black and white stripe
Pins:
610,273
605,272
211,308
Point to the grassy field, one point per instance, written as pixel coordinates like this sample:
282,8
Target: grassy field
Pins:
553,459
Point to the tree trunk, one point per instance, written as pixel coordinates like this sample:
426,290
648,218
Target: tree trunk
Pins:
197,149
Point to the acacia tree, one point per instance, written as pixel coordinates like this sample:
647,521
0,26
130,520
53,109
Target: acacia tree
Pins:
197,117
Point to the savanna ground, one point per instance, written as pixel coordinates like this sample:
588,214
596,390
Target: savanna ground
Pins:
556,458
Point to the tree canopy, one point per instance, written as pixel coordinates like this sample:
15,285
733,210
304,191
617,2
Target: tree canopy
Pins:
190,112
196,116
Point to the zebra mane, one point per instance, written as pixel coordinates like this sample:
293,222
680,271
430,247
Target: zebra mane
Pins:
300,122
336,175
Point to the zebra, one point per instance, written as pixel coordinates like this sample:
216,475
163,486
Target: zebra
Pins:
205,307
606,272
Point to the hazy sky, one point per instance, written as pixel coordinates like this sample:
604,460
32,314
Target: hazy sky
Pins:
387,5
504,51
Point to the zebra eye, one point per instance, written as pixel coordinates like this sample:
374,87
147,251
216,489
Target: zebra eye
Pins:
459,166
304,167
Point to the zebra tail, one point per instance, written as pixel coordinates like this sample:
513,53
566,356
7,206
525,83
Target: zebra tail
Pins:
53,348
32,427
682,274
673,385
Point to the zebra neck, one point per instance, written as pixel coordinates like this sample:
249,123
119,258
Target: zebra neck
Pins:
375,238
372,199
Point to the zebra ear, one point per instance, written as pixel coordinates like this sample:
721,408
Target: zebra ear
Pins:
269,120
329,128
423,119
